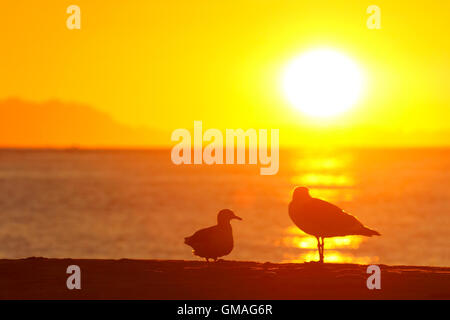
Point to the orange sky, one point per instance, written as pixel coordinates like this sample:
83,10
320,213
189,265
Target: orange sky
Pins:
158,66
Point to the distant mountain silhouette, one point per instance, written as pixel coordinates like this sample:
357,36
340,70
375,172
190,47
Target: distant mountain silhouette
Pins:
59,124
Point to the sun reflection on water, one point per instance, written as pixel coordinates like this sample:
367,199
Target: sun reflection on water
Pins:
298,239
330,257
295,238
328,177
320,162
324,180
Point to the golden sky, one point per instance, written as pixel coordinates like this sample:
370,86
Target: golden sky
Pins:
163,64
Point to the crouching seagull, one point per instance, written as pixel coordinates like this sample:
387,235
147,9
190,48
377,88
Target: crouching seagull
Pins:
215,241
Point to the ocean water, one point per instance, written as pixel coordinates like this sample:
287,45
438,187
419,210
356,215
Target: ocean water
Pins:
137,204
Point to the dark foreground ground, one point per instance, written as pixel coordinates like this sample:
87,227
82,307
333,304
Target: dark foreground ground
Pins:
39,278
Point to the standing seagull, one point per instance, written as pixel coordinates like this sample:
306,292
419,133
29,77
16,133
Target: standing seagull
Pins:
323,219
216,241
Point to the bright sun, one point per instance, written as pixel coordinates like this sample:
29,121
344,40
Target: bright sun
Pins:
322,83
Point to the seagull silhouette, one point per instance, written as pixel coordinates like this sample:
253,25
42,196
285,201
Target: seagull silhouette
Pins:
323,219
216,241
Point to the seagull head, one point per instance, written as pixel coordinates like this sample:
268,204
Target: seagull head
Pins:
225,215
301,194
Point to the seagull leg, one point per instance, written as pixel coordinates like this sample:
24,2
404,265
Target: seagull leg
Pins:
207,259
319,247
323,247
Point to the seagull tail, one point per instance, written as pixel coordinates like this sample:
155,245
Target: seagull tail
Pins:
369,232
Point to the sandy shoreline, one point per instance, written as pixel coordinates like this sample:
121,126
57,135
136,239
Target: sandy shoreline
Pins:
40,278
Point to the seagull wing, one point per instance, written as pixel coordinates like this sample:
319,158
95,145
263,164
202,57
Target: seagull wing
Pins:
201,237
332,221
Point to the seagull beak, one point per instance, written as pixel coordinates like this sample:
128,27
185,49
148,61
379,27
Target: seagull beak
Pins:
236,217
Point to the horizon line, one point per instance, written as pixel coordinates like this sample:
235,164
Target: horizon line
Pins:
165,148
